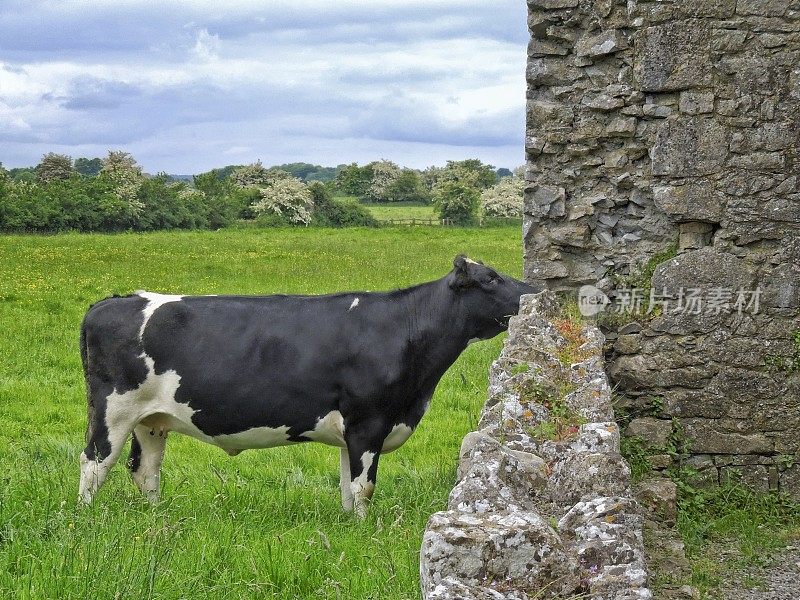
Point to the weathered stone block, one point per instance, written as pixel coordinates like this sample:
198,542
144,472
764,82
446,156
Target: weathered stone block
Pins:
688,146
628,344
754,476
548,71
706,438
583,474
762,8
539,199
552,4
494,478
603,102
704,268
654,432
789,481
694,235
519,550
695,103
538,270
606,42
758,161
543,114
621,127
697,201
656,110
539,47
675,56
659,496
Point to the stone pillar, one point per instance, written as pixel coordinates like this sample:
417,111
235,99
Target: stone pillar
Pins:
671,129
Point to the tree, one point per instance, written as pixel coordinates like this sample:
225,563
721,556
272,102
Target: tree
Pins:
89,167
122,171
122,164
224,201
170,206
288,198
330,212
503,200
384,174
503,172
353,180
251,175
307,172
430,177
408,187
26,174
471,171
456,201
54,167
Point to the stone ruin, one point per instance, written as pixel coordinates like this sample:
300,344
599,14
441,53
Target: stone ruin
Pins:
662,171
543,506
662,156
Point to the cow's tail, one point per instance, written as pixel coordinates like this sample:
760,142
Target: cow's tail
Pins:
89,401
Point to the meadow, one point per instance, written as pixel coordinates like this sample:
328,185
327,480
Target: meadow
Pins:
265,524
402,210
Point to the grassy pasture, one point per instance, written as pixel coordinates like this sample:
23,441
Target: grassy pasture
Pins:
265,524
401,210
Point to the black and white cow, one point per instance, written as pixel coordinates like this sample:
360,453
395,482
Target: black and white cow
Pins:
353,370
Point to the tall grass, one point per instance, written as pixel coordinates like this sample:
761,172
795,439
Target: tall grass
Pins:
265,524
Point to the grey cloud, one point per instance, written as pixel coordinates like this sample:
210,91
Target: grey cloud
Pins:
89,93
202,116
32,31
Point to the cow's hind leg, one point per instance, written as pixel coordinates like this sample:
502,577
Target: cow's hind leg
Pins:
344,480
147,452
108,430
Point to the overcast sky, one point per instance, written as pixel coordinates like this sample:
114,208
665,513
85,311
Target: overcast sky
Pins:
189,85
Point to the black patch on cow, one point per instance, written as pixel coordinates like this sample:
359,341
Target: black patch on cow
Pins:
111,352
135,458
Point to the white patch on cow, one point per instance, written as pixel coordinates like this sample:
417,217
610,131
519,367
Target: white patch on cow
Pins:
147,476
361,487
470,261
353,305
257,437
154,396
154,301
328,430
396,438
92,476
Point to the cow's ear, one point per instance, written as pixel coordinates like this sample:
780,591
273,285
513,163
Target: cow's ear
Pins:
460,276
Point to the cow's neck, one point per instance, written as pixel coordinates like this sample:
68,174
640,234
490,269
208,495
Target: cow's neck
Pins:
438,328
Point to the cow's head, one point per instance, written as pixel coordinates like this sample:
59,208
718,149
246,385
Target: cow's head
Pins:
489,297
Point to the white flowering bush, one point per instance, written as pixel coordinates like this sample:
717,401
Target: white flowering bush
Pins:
503,200
384,174
126,175
288,198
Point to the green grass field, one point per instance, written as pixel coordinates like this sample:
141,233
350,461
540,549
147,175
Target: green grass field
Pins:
265,524
397,210
384,212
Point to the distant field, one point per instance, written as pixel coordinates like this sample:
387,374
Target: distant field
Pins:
265,524
399,210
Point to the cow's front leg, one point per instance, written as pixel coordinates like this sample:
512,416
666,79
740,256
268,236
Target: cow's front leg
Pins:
363,453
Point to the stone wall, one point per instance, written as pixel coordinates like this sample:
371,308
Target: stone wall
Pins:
671,128
542,507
